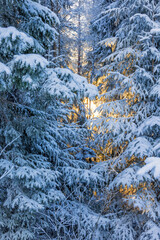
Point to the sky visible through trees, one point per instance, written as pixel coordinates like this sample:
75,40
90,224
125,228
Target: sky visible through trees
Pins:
79,120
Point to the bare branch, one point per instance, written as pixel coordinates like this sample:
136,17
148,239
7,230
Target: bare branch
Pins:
10,143
6,173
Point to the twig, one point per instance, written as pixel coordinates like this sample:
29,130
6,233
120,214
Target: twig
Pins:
10,143
6,173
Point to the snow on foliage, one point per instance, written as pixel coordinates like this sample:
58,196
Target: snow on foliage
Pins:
119,55
123,229
129,177
29,61
149,124
51,196
64,83
140,147
151,231
156,148
13,41
45,13
13,34
108,41
4,69
145,201
77,83
156,91
20,233
142,20
41,22
74,176
155,31
152,165
23,203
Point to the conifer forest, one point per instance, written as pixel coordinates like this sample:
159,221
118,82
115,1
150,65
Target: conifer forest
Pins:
79,120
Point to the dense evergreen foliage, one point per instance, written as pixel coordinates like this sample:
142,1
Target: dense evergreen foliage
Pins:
128,125
63,176
45,179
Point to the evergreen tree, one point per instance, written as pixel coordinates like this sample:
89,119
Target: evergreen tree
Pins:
44,184
128,125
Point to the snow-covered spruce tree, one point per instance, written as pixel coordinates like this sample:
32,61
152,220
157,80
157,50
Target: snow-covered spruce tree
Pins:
130,118
113,99
45,184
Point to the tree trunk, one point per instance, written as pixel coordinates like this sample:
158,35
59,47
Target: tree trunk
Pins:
79,37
